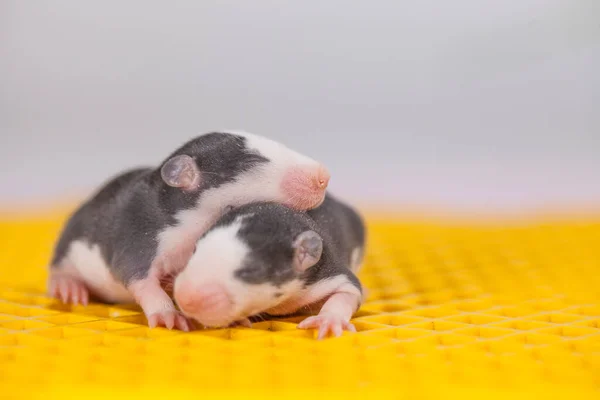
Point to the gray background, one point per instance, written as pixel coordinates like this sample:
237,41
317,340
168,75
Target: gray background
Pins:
464,104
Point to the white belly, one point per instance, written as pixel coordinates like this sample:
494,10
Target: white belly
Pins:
89,266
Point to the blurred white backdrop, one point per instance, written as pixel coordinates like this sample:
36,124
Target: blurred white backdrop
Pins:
457,104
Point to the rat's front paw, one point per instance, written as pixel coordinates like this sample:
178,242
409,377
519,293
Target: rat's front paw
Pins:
169,319
68,289
327,323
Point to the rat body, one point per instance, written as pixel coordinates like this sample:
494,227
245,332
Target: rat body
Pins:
139,230
269,258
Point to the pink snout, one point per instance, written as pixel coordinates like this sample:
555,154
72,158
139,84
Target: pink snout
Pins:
304,187
209,303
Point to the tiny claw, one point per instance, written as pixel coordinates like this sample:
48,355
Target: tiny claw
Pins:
74,289
327,324
336,329
182,323
64,291
169,319
153,321
323,330
84,297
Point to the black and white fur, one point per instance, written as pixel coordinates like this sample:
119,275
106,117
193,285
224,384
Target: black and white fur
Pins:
141,226
275,260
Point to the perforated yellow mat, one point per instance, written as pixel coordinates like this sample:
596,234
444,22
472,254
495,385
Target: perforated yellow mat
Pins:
454,310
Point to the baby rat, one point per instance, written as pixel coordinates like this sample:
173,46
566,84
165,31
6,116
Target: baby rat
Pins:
139,230
268,258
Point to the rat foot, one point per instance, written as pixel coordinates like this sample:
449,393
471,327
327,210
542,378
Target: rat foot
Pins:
242,322
157,305
327,323
68,289
169,319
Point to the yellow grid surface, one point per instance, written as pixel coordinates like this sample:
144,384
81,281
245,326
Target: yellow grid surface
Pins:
454,310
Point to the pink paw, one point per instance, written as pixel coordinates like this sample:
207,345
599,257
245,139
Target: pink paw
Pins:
68,289
327,323
170,319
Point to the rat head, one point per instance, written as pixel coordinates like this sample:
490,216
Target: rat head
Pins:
239,168
253,259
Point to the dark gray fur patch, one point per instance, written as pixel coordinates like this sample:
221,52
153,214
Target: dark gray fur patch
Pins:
270,229
221,159
126,215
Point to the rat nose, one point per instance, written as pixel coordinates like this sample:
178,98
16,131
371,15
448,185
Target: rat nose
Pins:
206,300
321,179
304,187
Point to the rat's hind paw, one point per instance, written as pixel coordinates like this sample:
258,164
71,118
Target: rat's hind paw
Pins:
170,319
327,323
68,289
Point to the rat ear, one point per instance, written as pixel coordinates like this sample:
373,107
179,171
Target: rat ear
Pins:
308,248
181,171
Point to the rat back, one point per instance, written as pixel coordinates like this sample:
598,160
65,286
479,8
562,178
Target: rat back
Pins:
95,220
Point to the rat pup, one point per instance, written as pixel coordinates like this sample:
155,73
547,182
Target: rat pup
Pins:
268,258
139,230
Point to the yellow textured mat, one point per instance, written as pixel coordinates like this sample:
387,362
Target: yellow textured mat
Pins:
454,310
